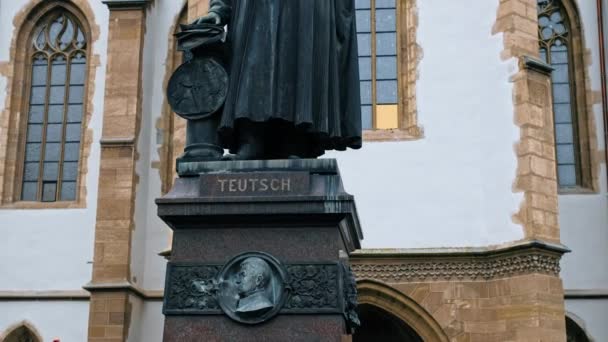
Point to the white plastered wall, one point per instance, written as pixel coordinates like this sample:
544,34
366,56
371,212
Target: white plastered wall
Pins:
51,249
584,218
454,187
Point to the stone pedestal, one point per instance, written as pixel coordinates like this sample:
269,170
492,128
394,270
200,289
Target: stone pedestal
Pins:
295,215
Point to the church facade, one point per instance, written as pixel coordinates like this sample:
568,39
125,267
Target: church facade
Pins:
481,185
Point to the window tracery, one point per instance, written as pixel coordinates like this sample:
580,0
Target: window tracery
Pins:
558,48
55,109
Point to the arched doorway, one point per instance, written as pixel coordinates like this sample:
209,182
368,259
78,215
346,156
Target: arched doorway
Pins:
380,325
574,332
22,333
383,308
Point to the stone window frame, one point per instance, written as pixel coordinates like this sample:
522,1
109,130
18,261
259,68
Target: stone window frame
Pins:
585,135
408,54
16,104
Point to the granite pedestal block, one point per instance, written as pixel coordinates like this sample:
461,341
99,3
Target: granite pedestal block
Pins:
293,211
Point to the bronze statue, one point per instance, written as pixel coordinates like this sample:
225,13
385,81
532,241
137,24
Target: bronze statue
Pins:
293,89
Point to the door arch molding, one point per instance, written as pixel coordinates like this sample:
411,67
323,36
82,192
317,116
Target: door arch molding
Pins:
378,294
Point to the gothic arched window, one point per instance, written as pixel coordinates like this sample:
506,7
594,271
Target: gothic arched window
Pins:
22,334
558,48
55,94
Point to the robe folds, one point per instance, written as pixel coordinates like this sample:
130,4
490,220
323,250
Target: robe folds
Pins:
294,63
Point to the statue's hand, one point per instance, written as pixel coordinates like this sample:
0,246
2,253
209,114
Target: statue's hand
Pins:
210,18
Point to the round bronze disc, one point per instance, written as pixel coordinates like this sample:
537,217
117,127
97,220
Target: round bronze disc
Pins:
198,88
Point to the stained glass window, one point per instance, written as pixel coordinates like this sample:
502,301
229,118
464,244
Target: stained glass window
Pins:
55,110
377,30
555,48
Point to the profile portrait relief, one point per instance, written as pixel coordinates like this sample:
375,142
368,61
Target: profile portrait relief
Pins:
252,283
251,287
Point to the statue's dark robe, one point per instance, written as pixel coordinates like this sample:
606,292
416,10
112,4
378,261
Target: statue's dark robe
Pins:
293,64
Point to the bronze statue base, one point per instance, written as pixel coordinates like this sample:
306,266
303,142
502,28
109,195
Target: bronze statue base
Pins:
291,220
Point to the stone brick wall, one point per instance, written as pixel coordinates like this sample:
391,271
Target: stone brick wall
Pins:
110,287
536,174
197,8
503,294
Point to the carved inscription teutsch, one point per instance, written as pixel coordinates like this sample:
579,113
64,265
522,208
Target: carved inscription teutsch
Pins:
255,183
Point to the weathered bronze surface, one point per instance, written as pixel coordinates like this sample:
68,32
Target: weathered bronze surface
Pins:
254,287
198,88
293,84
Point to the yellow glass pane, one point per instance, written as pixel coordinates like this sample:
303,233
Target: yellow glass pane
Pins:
387,116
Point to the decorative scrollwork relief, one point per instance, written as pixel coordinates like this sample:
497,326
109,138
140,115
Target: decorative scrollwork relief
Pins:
473,268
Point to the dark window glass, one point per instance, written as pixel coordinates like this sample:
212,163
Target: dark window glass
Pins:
32,152
36,114
366,92
77,74
76,94
34,133
57,95
51,172
364,44
387,92
386,44
49,191
55,114
38,95
385,3
72,150
72,132
365,68
68,191
31,171
58,78
53,132
362,4
364,21
52,151
377,27
30,191
39,75
70,170
554,38
386,68
58,72
74,113
366,117
385,20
